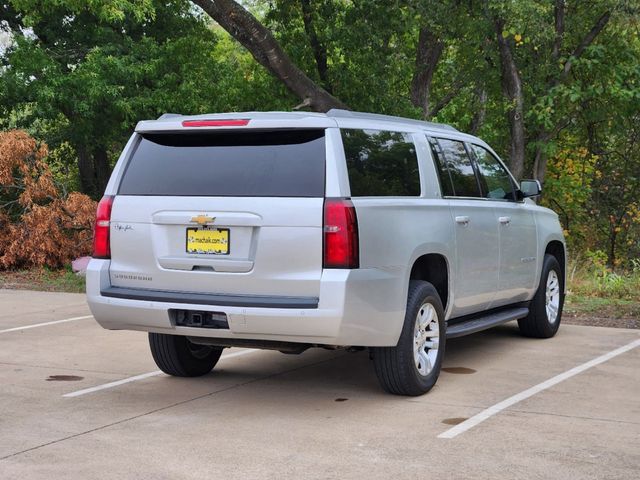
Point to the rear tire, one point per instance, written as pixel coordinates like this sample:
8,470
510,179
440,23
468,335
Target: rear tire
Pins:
176,355
545,311
413,365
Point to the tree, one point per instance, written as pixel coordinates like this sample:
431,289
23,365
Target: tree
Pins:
38,226
90,78
545,63
245,28
440,43
607,100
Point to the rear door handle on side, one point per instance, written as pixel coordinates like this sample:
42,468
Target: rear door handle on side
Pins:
504,220
462,220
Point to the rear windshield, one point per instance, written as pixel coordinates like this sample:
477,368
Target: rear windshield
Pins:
282,163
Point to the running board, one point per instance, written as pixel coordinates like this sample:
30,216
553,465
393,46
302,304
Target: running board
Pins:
477,324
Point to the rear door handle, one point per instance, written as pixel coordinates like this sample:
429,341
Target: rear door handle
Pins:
462,220
504,220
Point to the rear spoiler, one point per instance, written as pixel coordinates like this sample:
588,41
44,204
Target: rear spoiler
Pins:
247,120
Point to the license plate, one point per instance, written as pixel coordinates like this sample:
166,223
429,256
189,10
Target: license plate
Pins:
213,241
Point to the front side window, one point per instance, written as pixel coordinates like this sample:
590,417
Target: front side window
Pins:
496,181
381,163
458,165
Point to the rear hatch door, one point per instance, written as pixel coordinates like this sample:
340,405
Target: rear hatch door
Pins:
236,211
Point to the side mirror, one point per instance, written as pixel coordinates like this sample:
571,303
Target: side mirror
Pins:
530,188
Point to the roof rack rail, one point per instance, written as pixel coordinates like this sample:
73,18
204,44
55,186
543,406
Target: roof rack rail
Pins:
339,113
169,115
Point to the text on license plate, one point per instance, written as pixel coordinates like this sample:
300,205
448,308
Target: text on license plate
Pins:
208,240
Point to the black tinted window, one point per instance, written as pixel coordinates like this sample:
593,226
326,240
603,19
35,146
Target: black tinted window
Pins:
458,164
496,182
284,163
381,163
443,172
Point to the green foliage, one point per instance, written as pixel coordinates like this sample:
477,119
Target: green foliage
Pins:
63,167
101,72
109,10
568,190
88,74
243,85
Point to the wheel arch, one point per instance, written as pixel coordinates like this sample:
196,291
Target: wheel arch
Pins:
557,249
434,268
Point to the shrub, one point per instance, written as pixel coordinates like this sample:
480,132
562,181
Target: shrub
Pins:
38,225
593,278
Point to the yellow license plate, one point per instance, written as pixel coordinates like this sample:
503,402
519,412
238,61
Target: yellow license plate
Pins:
208,240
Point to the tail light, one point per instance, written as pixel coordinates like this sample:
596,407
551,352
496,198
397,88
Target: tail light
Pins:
341,248
101,244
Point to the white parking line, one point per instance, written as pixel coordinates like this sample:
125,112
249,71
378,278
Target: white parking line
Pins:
104,386
26,327
117,383
498,407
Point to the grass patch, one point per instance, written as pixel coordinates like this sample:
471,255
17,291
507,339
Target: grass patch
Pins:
596,291
43,279
578,305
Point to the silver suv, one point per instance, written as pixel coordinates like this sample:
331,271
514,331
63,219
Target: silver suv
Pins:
294,230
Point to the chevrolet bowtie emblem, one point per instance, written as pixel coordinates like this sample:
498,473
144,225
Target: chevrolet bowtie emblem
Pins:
203,219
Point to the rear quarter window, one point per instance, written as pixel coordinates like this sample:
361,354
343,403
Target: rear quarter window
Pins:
381,163
280,163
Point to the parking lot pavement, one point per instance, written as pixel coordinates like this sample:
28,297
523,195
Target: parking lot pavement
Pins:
23,307
321,414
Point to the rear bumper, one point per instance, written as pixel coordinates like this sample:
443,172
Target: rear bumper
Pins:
363,307
210,299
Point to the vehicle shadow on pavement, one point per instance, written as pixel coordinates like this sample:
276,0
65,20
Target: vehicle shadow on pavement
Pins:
333,373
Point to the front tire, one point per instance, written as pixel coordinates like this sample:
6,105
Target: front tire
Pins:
545,311
176,355
413,365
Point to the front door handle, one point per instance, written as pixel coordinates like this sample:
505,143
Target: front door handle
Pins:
462,220
504,220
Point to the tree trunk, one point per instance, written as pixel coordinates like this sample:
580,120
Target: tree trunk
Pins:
512,89
256,38
582,46
86,170
540,165
428,52
102,169
611,254
558,14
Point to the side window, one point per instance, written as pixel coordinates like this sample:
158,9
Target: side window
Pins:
381,163
457,161
495,179
443,172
